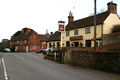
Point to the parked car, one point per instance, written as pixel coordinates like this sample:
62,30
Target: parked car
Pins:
7,50
44,51
49,49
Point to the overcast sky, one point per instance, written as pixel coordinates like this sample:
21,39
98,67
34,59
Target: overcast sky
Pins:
40,15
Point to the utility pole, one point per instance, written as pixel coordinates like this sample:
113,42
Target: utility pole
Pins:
94,25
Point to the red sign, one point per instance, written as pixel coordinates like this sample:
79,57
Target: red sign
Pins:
76,38
61,27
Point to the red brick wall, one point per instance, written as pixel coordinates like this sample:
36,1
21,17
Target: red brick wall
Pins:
34,42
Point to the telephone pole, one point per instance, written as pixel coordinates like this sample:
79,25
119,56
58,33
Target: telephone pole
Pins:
94,25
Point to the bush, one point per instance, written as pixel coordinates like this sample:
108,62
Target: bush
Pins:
52,54
116,28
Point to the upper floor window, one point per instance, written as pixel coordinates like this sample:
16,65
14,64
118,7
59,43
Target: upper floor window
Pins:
87,30
34,36
67,33
75,32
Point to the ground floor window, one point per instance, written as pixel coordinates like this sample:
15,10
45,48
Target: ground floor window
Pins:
50,45
58,44
53,45
96,43
68,43
76,44
88,43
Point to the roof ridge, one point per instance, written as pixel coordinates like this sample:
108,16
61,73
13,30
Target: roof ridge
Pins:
87,21
92,15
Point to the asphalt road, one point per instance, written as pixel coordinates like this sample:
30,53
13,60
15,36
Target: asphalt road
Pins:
30,66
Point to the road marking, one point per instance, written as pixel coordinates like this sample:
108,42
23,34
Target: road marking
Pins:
5,70
0,60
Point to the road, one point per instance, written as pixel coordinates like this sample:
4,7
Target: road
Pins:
30,66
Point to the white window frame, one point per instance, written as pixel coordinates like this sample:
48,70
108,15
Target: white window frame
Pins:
87,30
76,32
67,33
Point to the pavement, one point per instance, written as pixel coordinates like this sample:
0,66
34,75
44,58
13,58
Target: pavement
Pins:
32,66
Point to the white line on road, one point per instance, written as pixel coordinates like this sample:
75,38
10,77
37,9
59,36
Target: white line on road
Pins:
0,60
5,71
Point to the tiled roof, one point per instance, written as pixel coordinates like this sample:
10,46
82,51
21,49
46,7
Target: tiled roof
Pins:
55,37
22,36
88,21
44,37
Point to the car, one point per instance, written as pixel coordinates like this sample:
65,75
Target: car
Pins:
7,50
49,49
44,51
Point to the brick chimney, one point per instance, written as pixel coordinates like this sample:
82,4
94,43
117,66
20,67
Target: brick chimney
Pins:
22,31
28,29
51,33
70,17
112,7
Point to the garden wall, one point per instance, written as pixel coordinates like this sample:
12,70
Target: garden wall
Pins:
105,61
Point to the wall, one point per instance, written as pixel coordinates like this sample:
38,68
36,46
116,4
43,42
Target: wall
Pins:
112,20
111,38
105,61
81,31
34,43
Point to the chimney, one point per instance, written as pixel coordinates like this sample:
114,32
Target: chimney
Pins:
70,17
22,31
28,30
112,7
51,33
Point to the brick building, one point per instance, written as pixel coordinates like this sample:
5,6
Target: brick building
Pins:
26,40
44,39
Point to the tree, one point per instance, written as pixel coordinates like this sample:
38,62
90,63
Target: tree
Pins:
4,44
17,33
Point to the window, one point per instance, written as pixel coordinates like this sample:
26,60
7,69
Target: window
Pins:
17,41
88,43
50,45
58,44
87,30
25,41
75,32
34,47
76,44
68,43
34,36
53,45
67,33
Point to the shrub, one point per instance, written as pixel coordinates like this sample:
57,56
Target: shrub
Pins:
116,28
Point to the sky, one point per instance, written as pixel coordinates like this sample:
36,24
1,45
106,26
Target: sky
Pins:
40,15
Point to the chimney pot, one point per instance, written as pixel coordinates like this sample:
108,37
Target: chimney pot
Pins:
51,33
112,7
70,17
